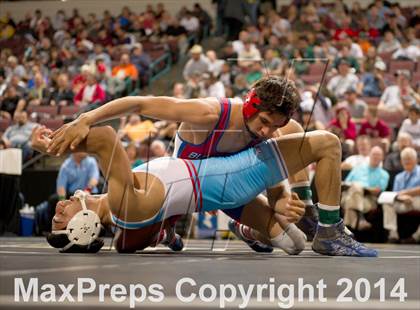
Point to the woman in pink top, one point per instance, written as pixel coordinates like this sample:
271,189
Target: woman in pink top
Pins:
344,127
344,123
92,92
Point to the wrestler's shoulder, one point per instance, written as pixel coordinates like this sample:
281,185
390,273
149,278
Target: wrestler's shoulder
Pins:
236,100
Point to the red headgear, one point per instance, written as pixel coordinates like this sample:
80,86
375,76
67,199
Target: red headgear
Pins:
249,108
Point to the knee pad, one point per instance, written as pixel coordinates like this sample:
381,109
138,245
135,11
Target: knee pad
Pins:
292,240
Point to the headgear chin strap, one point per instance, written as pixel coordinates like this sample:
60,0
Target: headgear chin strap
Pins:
249,108
82,231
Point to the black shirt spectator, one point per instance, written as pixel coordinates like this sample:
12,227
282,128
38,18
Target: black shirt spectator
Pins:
229,53
10,102
175,29
392,25
415,19
202,15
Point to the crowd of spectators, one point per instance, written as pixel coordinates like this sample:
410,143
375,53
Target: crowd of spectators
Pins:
53,67
356,68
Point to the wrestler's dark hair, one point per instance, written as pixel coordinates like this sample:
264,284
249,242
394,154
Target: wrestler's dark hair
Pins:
277,95
59,241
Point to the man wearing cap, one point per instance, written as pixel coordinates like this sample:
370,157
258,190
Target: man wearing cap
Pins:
343,80
214,127
198,64
372,83
354,104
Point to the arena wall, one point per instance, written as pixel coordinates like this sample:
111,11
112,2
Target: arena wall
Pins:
18,9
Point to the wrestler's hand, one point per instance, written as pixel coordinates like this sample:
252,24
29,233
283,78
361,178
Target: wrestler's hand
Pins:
68,136
291,207
39,138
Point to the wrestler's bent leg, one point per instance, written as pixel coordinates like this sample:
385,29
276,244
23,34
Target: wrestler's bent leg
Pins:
324,149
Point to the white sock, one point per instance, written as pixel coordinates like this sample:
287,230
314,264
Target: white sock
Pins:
416,235
292,240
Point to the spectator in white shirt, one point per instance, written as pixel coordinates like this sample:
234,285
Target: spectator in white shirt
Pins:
407,51
363,146
411,125
239,45
400,96
14,68
345,79
354,48
389,44
19,134
215,65
226,75
249,54
279,26
190,22
212,87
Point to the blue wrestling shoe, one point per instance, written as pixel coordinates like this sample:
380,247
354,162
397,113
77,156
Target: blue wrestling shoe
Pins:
334,241
176,244
171,239
257,246
309,222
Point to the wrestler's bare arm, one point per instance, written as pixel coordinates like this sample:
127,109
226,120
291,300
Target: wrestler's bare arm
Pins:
103,143
195,111
203,111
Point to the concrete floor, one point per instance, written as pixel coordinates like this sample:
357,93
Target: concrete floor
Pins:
231,263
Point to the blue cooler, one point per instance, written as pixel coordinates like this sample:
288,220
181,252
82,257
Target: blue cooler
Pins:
206,225
27,221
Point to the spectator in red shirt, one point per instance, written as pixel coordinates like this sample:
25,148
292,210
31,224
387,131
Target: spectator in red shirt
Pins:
344,126
103,38
80,80
376,128
344,122
366,30
92,92
345,30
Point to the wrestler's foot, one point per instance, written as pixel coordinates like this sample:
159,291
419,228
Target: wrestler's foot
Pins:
309,222
239,231
333,240
175,244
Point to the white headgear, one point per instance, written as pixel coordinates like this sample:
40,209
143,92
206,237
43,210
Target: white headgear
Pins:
83,229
